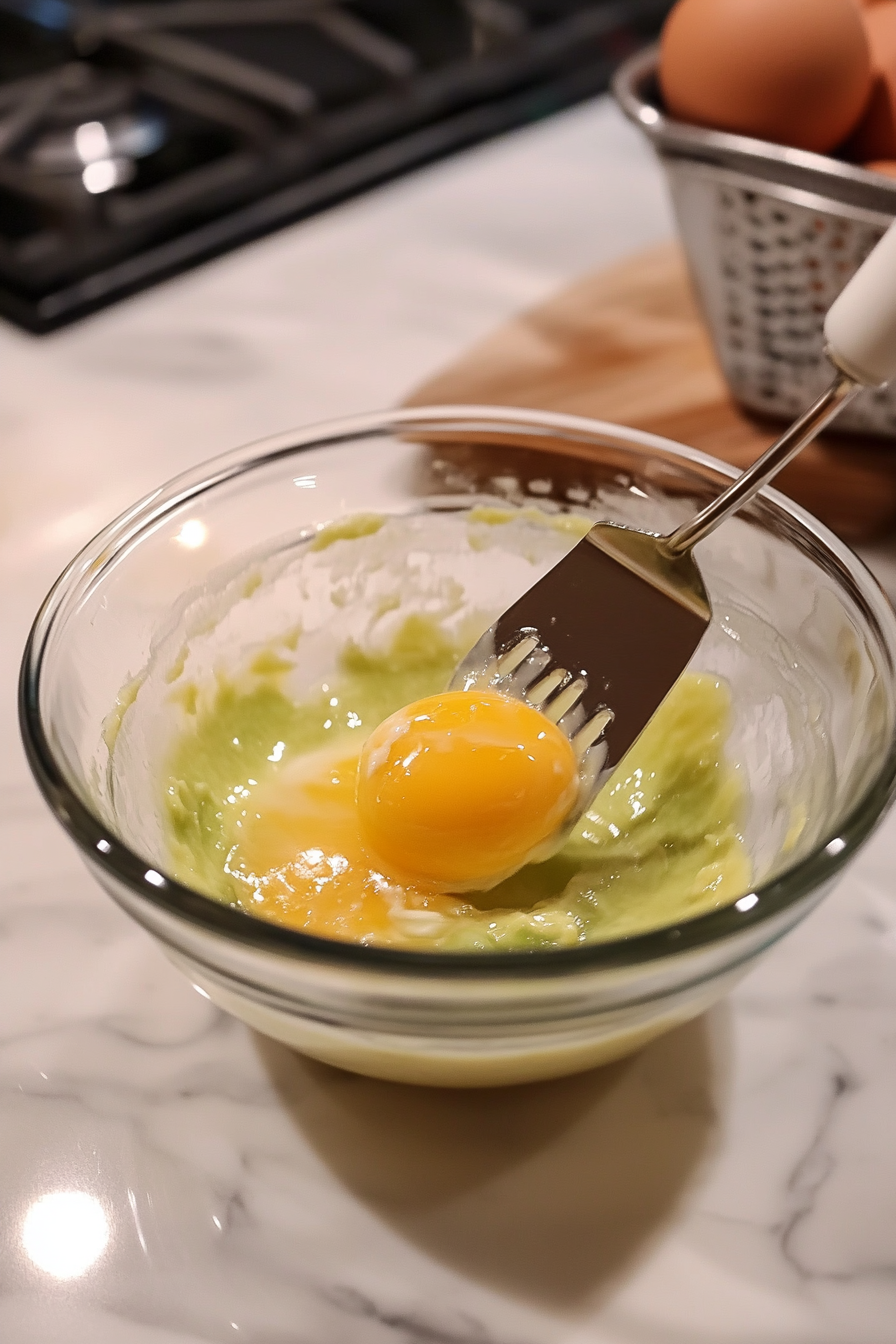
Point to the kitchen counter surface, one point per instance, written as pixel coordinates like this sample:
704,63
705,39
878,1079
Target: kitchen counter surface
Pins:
166,1177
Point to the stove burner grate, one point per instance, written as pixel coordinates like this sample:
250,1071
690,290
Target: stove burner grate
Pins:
139,138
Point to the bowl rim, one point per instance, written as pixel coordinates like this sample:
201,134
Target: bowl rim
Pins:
102,848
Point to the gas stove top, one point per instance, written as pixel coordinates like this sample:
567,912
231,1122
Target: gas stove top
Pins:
137,139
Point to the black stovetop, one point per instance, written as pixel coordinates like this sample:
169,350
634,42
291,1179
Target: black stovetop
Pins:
139,138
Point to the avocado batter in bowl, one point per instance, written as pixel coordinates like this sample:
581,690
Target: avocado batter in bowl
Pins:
259,782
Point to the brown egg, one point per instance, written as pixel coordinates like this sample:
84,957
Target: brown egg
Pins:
875,136
794,71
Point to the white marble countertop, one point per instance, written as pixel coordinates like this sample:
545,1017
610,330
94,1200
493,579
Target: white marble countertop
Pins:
733,1184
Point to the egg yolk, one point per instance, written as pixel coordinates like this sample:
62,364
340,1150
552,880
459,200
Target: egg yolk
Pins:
461,788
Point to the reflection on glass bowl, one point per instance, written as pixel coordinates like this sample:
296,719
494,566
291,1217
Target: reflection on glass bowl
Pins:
801,633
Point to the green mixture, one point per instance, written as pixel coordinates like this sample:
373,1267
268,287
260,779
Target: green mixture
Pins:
659,845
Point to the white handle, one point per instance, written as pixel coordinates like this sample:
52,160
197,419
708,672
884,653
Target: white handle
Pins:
860,328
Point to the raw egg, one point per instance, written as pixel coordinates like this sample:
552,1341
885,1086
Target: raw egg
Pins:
450,793
461,788
875,136
303,860
797,72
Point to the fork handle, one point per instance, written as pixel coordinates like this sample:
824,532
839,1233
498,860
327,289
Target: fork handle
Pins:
860,335
751,481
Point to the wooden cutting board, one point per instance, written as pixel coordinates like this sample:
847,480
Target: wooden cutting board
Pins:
628,345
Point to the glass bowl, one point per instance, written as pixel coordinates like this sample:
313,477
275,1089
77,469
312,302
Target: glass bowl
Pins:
801,632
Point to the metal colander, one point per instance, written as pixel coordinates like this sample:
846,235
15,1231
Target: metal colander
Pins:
772,235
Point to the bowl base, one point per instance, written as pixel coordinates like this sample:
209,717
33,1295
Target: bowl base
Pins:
401,1059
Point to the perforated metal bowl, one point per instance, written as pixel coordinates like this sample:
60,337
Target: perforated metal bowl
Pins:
772,235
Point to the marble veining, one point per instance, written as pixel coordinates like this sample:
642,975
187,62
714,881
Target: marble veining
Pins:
169,1178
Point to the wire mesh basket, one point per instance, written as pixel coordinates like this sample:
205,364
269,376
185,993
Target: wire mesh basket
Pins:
771,235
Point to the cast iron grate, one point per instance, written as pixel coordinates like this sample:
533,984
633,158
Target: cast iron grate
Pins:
137,139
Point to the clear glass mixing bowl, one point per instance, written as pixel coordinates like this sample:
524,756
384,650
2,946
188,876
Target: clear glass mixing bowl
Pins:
801,632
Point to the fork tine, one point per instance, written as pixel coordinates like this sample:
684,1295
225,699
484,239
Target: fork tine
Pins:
593,762
587,736
511,659
530,670
565,700
545,688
